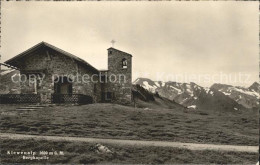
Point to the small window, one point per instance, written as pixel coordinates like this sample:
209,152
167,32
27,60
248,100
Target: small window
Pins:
110,51
124,63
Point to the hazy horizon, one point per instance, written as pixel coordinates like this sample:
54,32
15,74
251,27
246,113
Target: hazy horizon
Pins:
166,39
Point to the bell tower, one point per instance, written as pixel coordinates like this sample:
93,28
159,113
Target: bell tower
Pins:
120,76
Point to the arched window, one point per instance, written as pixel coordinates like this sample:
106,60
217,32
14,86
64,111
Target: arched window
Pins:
124,63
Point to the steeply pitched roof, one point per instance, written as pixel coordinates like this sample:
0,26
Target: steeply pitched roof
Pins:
10,61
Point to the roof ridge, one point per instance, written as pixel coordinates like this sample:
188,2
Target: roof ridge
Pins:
52,47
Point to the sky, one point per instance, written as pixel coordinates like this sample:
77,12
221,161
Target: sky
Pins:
202,42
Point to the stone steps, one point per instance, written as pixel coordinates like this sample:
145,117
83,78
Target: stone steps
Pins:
33,107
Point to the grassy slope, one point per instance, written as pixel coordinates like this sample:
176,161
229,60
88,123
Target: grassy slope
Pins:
85,153
116,121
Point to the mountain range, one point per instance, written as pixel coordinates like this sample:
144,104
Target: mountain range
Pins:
194,96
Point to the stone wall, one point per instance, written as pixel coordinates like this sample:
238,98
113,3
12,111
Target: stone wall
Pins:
54,64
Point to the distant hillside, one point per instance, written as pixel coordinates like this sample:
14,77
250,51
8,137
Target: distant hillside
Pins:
248,97
255,87
146,99
6,84
194,96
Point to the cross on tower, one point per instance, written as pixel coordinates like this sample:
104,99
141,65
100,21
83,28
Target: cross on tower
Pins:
113,42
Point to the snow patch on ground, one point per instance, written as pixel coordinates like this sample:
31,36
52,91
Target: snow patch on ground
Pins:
183,101
212,93
225,93
207,90
238,98
163,84
188,90
149,87
157,84
178,90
